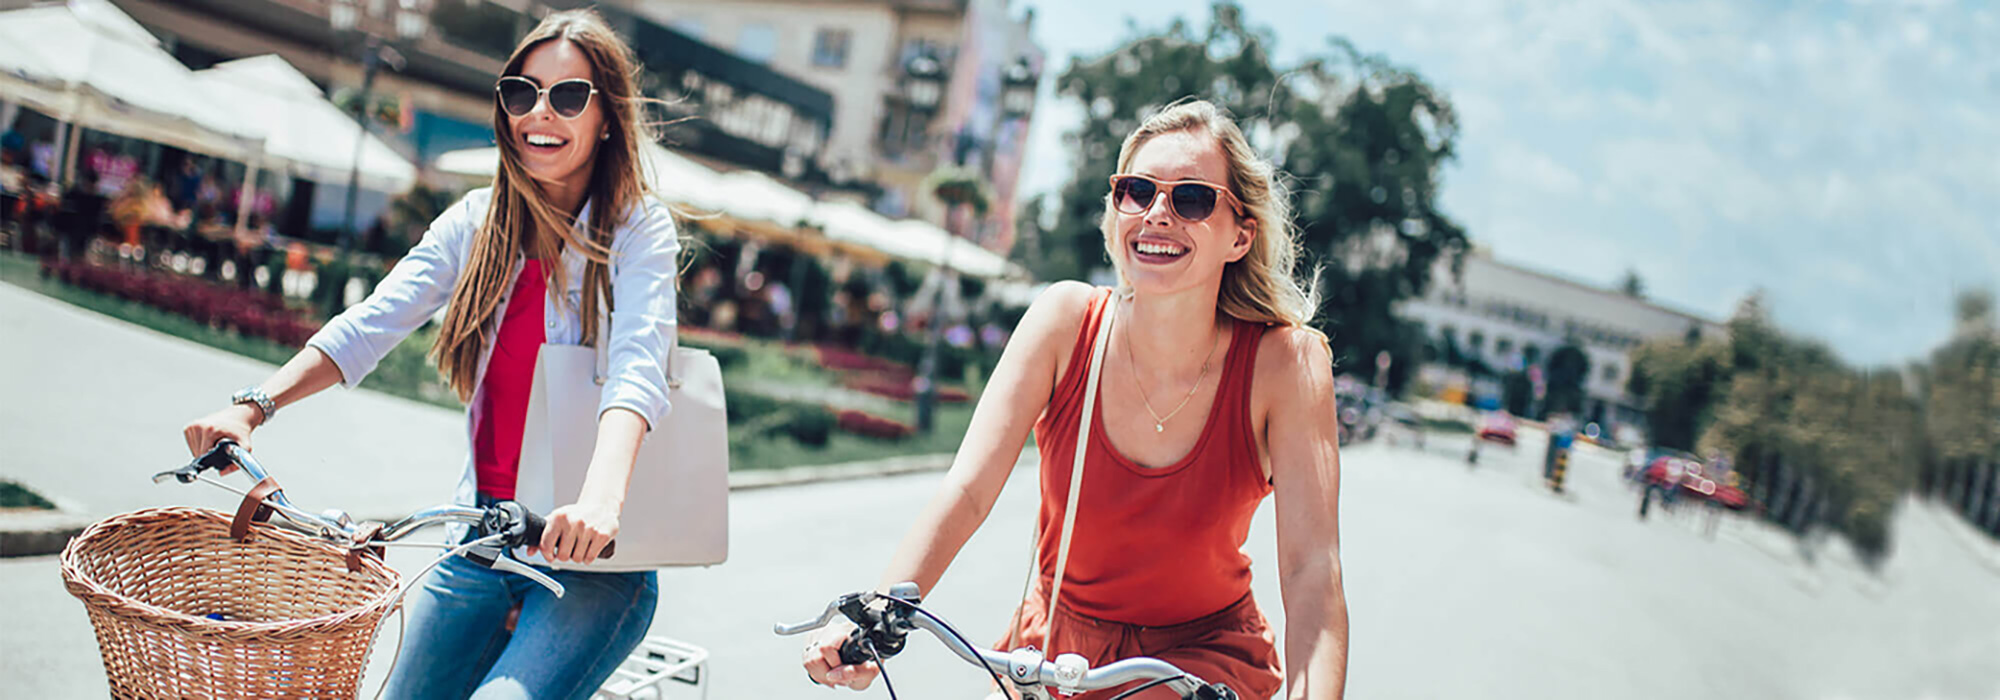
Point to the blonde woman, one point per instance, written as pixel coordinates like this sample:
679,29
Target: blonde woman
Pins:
566,230
1214,393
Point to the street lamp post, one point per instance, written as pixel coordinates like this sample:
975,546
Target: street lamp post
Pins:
345,18
1016,102
923,86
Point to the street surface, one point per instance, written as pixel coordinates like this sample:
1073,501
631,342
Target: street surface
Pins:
1460,583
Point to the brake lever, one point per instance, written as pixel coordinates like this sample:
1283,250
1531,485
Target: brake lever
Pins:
493,557
832,609
186,474
216,457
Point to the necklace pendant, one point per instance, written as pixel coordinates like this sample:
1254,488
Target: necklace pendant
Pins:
1159,428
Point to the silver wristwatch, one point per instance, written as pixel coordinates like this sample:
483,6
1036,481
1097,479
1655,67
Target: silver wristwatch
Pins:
253,395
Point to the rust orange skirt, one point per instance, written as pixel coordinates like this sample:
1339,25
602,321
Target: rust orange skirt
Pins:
1234,646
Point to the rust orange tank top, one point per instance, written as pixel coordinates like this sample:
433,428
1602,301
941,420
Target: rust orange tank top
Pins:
1152,546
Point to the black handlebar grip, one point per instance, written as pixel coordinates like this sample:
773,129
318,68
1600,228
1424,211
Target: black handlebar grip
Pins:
851,652
533,525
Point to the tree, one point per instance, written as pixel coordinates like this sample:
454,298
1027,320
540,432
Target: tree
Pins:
1677,382
1361,140
1632,286
1517,393
1568,368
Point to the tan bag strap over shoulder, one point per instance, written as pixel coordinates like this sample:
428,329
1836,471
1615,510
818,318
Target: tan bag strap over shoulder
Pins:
1085,421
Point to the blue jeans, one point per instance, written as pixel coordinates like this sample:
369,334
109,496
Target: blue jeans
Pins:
456,644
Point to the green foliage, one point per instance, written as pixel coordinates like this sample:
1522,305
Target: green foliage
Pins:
1517,393
1568,367
1813,440
1632,285
1362,143
13,495
409,214
1677,382
954,186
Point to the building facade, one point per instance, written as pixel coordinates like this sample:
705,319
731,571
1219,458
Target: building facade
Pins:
1510,317
441,60
861,52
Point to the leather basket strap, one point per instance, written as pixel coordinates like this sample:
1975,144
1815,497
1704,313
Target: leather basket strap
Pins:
253,509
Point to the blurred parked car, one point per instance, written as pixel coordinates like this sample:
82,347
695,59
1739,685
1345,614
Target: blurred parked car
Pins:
1684,476
1497,426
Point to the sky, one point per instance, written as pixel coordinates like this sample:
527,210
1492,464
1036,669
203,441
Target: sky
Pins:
1841,156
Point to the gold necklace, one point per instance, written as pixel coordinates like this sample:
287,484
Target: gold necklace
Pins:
1160,422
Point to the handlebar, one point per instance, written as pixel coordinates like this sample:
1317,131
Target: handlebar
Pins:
884,620
500,528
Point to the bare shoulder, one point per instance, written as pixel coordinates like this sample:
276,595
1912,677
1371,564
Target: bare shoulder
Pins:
1057,313
1300,357
1051,326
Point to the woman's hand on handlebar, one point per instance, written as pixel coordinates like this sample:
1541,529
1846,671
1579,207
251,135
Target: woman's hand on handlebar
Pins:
822,659
578,532
235,423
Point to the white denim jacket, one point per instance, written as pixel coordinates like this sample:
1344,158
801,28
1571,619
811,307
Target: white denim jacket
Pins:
643,325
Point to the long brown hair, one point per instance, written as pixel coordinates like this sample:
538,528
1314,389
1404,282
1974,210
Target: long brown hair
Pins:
518,207
1263,287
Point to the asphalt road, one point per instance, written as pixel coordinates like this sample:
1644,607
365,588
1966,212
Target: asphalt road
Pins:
1460,582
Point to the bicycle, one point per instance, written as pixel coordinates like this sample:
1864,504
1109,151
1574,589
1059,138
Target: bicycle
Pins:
178,610
883,623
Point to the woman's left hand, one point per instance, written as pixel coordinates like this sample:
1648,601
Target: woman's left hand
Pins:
577,532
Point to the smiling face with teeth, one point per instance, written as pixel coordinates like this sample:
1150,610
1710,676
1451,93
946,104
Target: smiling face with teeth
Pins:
555,151
1159,253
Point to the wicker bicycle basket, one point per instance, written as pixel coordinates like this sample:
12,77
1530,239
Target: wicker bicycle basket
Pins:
182,610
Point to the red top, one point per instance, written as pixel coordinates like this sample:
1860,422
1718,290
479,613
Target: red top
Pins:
1152,546
510,374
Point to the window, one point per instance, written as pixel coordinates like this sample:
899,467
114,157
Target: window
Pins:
1611,372
1502,346
757,42
1477,342
830,48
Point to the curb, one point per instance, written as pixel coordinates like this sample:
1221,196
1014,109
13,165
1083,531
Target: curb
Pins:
37,533
34,533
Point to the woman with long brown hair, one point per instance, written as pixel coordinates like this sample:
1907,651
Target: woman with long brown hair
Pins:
567,231
1214,393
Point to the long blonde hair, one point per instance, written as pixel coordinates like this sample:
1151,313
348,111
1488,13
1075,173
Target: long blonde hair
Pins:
1263,287
518,207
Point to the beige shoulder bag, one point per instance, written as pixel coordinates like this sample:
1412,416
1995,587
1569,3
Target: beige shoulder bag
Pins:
677,502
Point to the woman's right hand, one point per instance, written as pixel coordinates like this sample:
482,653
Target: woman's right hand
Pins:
822,659
234,423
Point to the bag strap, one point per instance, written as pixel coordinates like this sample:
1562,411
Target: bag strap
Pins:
604,347
1076,467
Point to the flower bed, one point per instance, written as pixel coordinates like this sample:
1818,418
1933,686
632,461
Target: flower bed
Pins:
873,426
250,313
836,358
900,388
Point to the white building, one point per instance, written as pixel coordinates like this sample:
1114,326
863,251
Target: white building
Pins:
1512,317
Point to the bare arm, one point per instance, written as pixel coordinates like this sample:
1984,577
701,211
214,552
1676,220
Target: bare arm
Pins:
1013,400
577,532
308,372
1305,472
